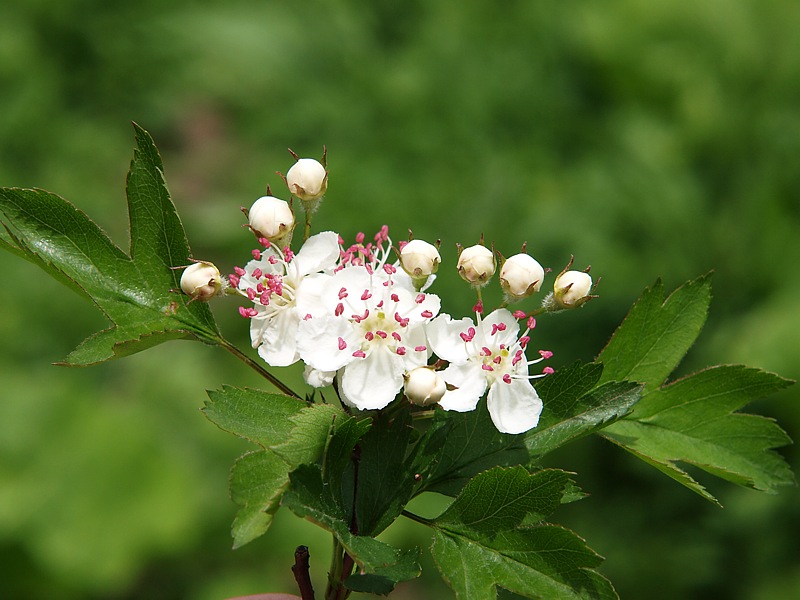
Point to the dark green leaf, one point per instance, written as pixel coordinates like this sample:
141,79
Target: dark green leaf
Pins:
324,495
692,421
485,540
472,444
590,413
656,334
258,480
134,292
387,473
261,417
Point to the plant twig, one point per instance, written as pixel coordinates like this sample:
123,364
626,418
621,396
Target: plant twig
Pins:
257,368
301,575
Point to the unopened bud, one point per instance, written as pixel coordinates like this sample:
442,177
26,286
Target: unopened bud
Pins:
424,386
307,179
571,289
476,264
201,281
316,378
521,276
271,218
419,259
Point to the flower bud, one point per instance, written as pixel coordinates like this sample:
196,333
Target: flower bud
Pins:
521,276
316,378
419,259
201,281
271,218
476,264
571,289
307,179
424,386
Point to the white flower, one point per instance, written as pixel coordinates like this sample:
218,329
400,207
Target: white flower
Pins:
282,286
487,355
521,276
370,330
271,218
201,280
476,264
571,288
424,386
307,179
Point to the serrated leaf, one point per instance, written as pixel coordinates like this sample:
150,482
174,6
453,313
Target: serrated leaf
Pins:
133,291
573,407
480,543
693,421
324,495
309,434
263,418
590,413
656,334
258,480
472,444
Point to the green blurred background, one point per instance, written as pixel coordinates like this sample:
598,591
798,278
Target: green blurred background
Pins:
647,138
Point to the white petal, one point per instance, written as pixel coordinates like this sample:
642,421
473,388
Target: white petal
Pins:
318,342
506,336
308,296
319,252
470,384
514,407
373,382
445,340
278,346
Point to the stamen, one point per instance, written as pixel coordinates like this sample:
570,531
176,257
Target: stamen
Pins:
421,348
258,273
506,378
256,254
359,354
401,350
395,297
342,294
369,336
545,354
342,344
523,341
396,336
531,323
426,314
366,295
381,334
469,335
487,367
239,271
478,308
548,370
420,298
339,309
518,314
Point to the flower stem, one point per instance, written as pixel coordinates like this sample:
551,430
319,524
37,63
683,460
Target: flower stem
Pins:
257,367
417,518
301,574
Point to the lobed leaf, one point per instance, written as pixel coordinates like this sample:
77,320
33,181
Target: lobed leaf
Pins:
656,334
693,421
134,291
493,535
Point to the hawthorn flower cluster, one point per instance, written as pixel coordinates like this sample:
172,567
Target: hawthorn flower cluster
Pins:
360,316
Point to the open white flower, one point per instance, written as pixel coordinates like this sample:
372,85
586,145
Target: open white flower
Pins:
487,355
277,282
371,331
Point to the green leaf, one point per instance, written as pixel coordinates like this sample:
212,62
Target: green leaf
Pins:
573,407
471,444
387,464
692,420
310,433
263,418
656,334
258,480
493,535
133,291
324,495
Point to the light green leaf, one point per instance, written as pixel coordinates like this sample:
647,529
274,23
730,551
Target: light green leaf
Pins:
493,535
573,407
656,334
692,420
258,480
263,418
133,291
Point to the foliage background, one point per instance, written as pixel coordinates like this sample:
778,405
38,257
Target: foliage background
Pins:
648,139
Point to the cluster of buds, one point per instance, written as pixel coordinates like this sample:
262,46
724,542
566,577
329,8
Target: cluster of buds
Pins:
521,276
